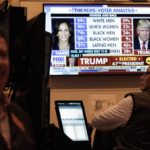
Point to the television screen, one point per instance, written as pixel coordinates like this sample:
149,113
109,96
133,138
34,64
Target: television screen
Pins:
98,39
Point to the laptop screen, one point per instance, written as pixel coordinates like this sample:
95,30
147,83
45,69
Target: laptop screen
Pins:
73,122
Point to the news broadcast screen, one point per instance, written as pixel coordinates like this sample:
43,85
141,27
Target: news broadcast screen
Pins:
98,39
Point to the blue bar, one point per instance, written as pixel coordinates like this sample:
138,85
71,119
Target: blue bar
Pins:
84,10
81,26
81,20
81,45
89,70
81,39
81,32
60,53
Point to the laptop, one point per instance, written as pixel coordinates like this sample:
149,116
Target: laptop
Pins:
72,121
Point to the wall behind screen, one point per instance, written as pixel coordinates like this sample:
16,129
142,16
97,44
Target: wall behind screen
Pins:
80,87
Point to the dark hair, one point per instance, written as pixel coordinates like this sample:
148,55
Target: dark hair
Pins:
3,34
56,29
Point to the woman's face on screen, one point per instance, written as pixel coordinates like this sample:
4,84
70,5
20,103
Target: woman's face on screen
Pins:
63,32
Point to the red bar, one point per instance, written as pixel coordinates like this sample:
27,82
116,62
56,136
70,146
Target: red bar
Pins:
58,65
127,58
127,51
127,38
126,20
128,45
126,32
142,52
94,61
126,26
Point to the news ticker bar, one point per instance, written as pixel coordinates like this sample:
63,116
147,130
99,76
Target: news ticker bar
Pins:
100,15
101,70
79,53
94,61
113,61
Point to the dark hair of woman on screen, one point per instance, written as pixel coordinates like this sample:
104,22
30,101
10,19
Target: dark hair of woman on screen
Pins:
15,124
63,35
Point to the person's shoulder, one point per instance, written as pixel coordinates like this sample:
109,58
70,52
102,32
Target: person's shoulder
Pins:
149,43
68,64
76,64
18,111
136,38
133,93
138,95
136,43
24,122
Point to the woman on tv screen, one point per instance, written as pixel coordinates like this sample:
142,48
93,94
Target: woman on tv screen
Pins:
63,35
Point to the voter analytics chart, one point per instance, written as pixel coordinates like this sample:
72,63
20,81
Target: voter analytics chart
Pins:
98,39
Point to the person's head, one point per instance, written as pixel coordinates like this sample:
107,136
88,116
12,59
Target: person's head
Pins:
145,80
4,59
72,61
143,29
63,31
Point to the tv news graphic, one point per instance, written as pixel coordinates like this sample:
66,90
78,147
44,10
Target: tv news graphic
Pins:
106,38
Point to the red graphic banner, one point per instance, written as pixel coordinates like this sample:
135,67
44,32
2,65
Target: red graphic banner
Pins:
126,51
141,52
94,61
113,61
126,32
127,38
126,20
129,45
127,58
58,65
126,26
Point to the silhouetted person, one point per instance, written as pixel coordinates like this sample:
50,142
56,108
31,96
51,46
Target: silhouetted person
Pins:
15,126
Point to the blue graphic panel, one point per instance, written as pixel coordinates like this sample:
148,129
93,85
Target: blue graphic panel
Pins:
89,70
81,39
81,45
81,32
81,26
81,20
58,59
60,53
